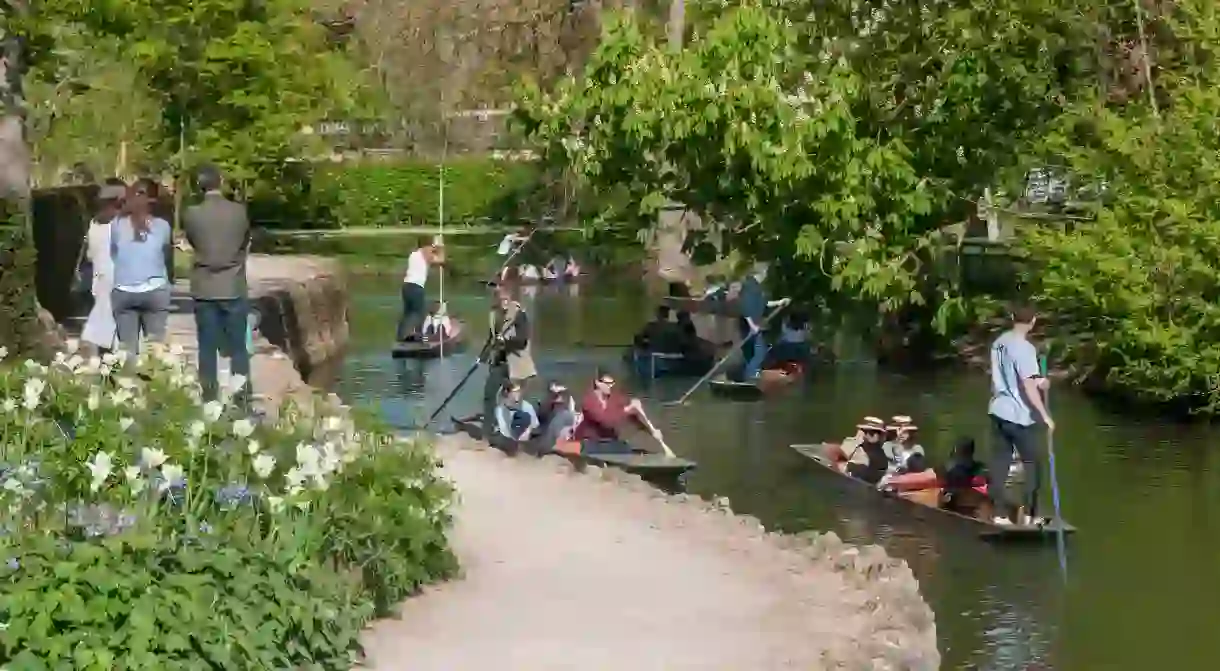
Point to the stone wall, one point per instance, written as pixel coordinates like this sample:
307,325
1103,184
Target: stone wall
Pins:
302,302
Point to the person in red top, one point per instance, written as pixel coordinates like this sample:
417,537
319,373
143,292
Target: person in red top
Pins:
602,414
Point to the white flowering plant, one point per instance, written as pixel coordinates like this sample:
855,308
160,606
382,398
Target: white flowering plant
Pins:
115,467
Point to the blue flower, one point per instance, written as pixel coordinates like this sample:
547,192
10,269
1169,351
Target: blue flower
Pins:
233,494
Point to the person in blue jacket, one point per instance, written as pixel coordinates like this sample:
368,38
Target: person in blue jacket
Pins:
752,302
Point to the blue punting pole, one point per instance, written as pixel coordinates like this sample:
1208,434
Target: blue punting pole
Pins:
1060,545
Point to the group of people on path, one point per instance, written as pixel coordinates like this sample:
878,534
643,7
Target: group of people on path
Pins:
890,456
124,265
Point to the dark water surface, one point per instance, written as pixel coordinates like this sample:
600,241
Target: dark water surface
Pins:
1144,568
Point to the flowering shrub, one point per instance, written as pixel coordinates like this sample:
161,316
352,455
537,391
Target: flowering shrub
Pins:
143,528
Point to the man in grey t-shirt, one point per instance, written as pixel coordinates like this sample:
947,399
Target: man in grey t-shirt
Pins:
1017,385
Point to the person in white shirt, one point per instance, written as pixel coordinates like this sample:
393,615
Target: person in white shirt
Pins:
512,242
414,301
100,330
437,325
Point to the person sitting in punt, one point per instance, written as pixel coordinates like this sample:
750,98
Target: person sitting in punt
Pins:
793,345
553,270
660,334
959,478
906,454
438,325
529,272
572,269
557,414
863,455
603,412
516,419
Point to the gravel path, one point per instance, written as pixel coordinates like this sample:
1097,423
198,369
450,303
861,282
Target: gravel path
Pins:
565,573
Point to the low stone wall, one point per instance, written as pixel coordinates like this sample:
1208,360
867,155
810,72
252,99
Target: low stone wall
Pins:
302,303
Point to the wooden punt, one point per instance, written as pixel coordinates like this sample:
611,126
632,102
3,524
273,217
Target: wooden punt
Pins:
769,382
648,465
433,348
653,365
926,500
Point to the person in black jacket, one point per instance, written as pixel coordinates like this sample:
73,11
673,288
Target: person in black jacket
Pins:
509,358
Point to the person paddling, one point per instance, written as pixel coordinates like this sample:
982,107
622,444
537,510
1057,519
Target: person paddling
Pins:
414,300
1017,384
603,413
509,359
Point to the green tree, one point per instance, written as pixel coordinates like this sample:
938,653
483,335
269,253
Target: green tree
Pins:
237,81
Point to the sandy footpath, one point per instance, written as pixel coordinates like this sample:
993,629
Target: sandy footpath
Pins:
599,571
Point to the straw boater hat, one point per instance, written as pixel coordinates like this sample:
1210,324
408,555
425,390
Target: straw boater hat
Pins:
901,423
871,423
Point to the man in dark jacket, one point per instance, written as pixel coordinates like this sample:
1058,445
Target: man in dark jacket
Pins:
509,358
219,232
753,303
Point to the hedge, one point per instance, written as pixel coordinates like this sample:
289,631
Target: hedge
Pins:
385,194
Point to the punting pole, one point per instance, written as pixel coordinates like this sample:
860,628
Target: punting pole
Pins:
725,358
1060,544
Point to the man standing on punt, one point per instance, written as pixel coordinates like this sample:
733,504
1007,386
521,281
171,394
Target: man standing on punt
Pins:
753,303
1017,384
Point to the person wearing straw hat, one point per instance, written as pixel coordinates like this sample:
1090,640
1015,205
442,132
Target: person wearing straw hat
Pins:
863,455
906,454
414,299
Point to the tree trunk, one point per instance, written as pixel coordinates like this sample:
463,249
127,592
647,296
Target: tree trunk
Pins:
14,154
32,328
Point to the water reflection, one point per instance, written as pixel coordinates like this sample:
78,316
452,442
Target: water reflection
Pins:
1142,568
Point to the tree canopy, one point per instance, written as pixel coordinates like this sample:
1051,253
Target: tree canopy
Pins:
235,81
840,139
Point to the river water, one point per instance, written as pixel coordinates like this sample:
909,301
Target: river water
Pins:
1144,569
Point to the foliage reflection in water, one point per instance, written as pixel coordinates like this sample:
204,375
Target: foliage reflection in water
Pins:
1143,493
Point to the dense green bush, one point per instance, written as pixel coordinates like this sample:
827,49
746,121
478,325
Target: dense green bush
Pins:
20,329
142,528
387,194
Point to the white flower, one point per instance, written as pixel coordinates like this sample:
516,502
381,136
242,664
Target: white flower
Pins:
99,470
196,429
234,384
263,465
212,410
253,447
110,358
125,423
126,383
75,363
242,428
170,475
276,503
32,394
120,397
294,477
10,405
134,480
176,350
95,400
321,483
3,352
72,345
104,370
152,457
13,485
333,424
308,460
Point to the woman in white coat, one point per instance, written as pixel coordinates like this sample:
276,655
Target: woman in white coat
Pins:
99,328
